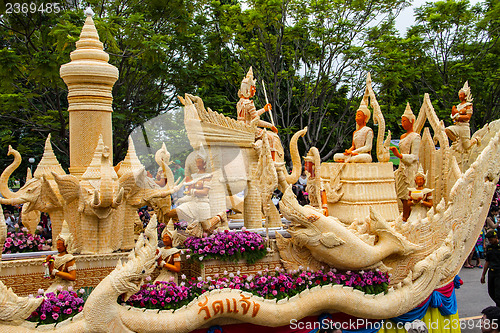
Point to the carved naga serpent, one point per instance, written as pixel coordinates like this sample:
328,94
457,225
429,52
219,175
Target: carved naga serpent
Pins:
378,118
435,270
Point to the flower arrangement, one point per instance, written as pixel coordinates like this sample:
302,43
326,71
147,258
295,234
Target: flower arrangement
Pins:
22,241
276,284
181,225
58,306
227,246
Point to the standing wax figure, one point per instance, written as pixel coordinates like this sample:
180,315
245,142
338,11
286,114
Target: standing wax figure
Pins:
492,266
362,139
62,267
248,113
409,146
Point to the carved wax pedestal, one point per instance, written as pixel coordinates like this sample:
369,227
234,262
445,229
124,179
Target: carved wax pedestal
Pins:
363,185
25,276
233,160
208,268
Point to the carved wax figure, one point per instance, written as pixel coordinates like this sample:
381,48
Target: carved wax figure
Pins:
408,156
169,261
62,267
459,133
419,198
194,207
247,112
362,138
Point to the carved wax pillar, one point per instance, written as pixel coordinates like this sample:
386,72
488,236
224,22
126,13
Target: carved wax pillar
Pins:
90,79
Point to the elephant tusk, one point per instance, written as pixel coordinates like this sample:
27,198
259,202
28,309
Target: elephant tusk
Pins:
96,202
119,198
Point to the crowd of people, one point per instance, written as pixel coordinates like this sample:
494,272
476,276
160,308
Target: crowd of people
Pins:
491,267
13,220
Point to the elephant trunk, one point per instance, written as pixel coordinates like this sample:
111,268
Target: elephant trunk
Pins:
4,178
296,161
106,193
12,201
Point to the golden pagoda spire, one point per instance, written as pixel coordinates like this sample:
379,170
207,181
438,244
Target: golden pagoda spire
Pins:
49,163
131,161
90,79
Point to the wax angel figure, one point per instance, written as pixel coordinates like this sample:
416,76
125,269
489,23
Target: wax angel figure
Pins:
459,133
248,113
169,261
362,138
419,198
195,207
62,267
409,146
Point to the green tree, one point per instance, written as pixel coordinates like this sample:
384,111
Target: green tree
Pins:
451,43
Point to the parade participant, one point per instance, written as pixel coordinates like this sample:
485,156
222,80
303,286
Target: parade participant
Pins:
492,266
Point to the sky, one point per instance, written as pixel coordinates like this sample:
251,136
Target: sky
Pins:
405,19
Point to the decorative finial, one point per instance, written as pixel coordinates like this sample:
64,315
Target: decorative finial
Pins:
89,12
421,173
48,163
364,108
67,237
131,161
246,84
466,90
409,113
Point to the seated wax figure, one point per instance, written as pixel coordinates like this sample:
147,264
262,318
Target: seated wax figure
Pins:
194,207
459,132
362,138
62,267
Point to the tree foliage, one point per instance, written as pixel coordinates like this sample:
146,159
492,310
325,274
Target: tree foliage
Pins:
312,56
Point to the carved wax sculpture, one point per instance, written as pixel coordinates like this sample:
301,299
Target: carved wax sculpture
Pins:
312,163
216,133
169,261
62,267
419,198
248,113
409,146
367,240
12,307
39,194
459,132
98,196
360,151
90,79
194,207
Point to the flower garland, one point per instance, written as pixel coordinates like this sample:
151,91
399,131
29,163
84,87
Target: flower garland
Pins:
59,305
22,241
227,246
276,284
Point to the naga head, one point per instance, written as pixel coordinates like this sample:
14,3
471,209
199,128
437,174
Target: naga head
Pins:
127,279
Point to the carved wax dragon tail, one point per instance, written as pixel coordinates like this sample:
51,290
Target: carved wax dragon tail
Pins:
378,118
